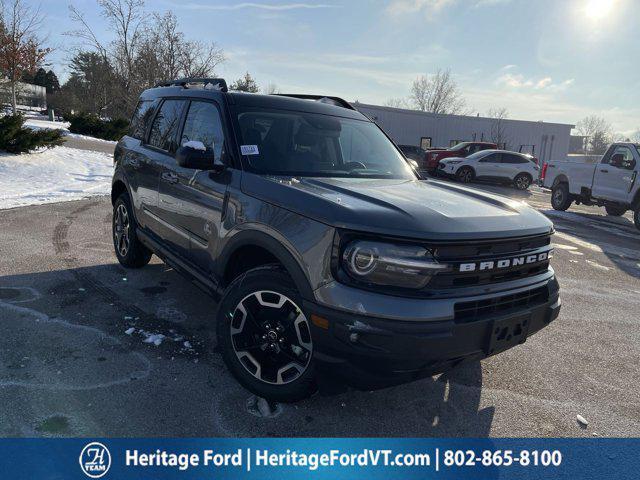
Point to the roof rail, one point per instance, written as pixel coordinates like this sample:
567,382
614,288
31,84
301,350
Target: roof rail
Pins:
185,82
337,101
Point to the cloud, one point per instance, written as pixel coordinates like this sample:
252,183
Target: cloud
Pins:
260,6
490,3
519,81
431,7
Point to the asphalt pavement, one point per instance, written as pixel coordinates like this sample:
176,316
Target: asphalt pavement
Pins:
91,349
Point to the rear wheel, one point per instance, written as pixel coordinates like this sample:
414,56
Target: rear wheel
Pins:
522,181
265,335
636,217
466,174
131,253
614,210
560,197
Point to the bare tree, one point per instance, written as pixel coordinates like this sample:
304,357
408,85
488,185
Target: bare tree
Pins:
21,48
397,103
126,18
636,136
437,93
271,89
498,133
199,59
147,49
598,133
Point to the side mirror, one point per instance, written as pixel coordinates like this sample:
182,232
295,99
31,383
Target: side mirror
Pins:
194,155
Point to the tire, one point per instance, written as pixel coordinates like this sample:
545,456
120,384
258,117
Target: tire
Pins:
466,175
636,217
277,336
131,253
560,197
614,210
522,181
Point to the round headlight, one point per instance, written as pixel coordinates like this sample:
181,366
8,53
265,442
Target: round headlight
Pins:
361,259
381,263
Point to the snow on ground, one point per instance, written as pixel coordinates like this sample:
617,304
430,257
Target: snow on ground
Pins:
38,122
54,175
41,122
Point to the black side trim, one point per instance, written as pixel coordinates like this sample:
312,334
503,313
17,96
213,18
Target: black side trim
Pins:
208,284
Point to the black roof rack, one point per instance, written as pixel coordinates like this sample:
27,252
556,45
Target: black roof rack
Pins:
337,101
184,82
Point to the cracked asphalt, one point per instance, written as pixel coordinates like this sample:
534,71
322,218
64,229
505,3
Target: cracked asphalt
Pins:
78,358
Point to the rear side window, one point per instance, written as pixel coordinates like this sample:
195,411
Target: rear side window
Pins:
141,118
492,158
514,159
165,126
203,124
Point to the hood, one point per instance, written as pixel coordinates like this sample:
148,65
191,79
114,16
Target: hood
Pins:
421,209
448,159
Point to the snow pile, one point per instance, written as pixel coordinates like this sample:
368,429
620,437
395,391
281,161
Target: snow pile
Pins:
54,175
42,123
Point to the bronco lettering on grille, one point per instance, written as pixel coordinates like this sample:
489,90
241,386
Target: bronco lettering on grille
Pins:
504,263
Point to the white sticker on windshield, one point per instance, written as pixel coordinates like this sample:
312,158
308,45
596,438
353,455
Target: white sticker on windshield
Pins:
249,149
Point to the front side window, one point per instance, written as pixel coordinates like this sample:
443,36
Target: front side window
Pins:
165,126
281,142
203,124
622,157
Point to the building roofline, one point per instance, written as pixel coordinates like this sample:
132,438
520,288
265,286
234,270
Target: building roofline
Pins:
429,114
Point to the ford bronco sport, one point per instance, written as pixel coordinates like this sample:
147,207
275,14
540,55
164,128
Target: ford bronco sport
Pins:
328,253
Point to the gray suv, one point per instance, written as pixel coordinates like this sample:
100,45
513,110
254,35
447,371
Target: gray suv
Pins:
326,250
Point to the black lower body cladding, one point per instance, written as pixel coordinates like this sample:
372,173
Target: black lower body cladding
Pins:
372,352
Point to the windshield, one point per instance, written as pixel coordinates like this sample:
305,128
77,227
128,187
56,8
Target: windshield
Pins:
477,155
282,142
459,146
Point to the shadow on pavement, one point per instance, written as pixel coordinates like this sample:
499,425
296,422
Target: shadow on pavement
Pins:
78,305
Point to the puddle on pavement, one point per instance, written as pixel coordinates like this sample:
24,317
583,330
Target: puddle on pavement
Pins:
55,425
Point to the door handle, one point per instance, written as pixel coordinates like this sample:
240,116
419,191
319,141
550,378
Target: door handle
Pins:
170,177
604,171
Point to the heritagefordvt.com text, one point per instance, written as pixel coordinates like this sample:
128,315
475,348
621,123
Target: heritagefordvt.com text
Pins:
248,458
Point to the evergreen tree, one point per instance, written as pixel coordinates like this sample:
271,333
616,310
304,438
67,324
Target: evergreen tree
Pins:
40,77
51,82
245,84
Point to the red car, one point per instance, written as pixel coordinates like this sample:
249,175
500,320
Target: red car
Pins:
463,149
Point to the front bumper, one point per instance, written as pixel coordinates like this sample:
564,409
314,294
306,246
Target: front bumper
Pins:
369,351
446,170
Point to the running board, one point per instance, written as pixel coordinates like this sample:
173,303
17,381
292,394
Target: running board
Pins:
203,282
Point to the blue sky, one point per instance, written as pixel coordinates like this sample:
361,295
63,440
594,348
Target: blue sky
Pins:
552,60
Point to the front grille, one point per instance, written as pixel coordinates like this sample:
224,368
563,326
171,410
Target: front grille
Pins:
476,252
466,312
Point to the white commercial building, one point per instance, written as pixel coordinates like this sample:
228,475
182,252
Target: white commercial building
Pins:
410,127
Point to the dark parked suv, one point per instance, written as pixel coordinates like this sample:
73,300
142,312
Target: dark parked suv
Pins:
325,249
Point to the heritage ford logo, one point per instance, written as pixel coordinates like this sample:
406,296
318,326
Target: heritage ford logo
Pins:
505,263
95,460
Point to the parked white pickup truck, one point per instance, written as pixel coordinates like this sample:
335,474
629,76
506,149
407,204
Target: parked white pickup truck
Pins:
612,182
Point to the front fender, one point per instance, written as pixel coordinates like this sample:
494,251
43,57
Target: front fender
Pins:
278,247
